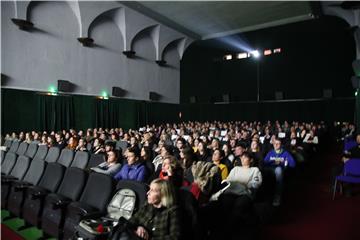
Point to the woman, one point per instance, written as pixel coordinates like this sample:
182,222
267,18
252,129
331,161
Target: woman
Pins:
202,152
111,166
217,156
72,143
257,154
166,150
159,218
81,145
187,158
172,171
98,146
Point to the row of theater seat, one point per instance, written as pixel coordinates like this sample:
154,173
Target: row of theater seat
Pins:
55,194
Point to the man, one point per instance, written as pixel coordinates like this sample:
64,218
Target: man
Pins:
240,148
134,169
60,142
278,160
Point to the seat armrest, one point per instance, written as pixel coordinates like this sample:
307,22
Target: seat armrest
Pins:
21,186
37,192
58,201
8,179
82,209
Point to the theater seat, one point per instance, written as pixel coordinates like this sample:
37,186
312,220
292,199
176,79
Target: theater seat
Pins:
31,151
41,152
80,160
66,157
8,164
35,196
49,182
17,173
52,155
14,146
56,203
94,199
95,159
22,148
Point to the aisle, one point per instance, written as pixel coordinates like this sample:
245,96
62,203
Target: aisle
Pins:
310,213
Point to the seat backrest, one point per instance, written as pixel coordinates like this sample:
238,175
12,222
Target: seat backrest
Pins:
89,146
80,160
95,159
68,188
66,157
98,190
20,168
22,148
31,151
41,152
52,177
138,187
7,143
121,145
52,155
352,167
8,163
35,172
14,146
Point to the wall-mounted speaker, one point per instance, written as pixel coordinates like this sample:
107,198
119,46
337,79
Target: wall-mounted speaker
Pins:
279,95
64,86
118,92
327,93
193,99
355,81
153,96
226,97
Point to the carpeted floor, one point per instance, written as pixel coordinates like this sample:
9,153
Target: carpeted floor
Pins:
309,212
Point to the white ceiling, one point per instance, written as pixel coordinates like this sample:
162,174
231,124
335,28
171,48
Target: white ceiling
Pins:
210,19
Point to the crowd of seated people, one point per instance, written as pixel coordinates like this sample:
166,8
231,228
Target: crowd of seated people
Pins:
231,158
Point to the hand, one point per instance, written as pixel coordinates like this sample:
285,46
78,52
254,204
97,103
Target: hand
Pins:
141,232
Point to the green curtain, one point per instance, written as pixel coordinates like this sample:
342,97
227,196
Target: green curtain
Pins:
55,112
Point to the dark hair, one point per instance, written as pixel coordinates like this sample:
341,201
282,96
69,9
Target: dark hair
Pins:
241,144
169,149
222,154
148,152
110,143
116,154
134,150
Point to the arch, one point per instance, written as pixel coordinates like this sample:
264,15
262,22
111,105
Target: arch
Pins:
74,6
117,16
153,31
173,43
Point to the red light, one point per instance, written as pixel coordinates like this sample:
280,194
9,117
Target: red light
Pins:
267,52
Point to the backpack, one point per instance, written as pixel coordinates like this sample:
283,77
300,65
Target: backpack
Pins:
121,205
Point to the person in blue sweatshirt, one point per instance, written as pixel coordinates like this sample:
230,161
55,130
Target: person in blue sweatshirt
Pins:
278,160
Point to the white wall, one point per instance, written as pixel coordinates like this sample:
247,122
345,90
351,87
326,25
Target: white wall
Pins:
36,59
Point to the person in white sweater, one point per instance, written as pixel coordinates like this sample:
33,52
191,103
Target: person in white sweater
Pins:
236,201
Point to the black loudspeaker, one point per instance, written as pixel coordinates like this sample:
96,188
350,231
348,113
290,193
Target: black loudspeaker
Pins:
118,92
356,67
355,81
279,96
192,99
153,96
64,86
226,97
327,93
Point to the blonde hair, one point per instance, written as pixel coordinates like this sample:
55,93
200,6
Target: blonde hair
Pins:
167,192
